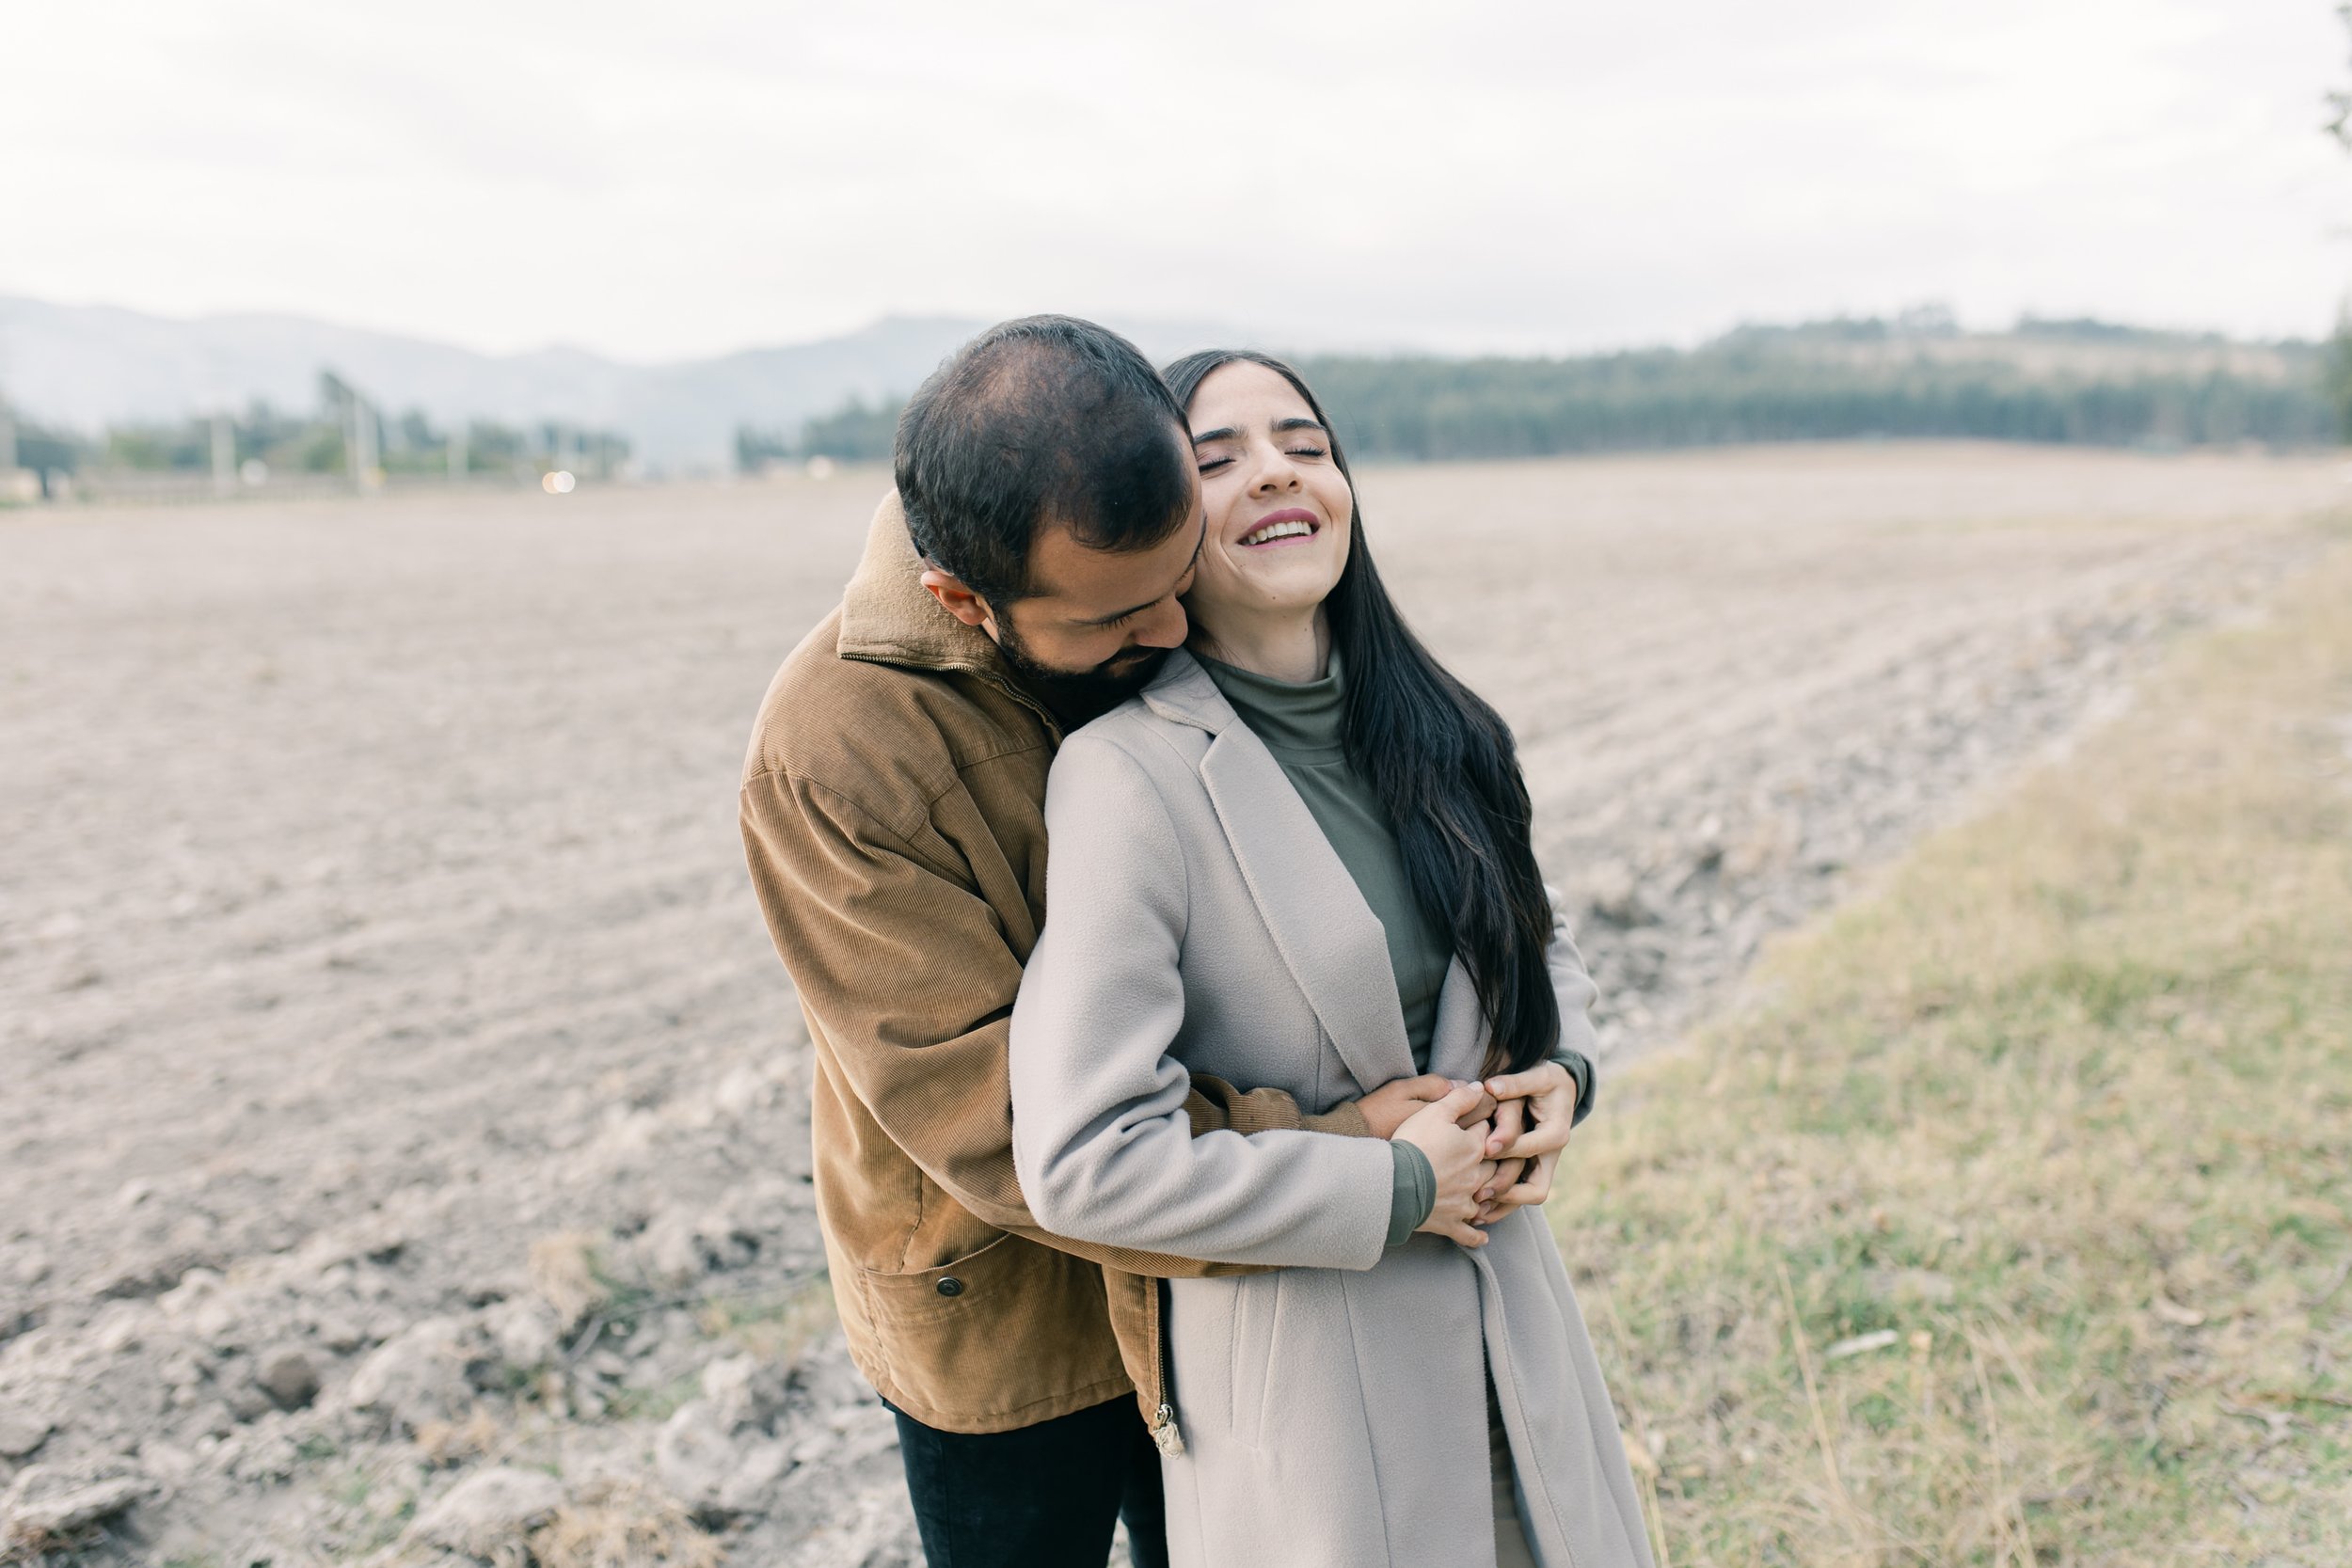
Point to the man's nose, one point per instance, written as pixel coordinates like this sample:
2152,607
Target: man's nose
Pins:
1162,626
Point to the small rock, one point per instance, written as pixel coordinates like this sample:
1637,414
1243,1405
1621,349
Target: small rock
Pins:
339,1332
54,1499
289,1379
1615,894
744,1090
418,1375
751,1487
524,1332
167,1462
747,1391
694,1454
268,1458
244,1397
490,1511
21,1432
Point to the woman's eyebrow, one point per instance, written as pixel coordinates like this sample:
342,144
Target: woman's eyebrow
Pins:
1225,432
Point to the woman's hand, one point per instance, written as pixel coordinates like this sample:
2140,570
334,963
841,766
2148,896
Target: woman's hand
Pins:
1458,1156
1387,1107
1535,1111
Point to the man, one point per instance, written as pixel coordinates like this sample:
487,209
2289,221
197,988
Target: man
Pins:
1022,579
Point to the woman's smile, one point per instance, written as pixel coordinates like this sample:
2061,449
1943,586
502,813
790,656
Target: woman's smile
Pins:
1292,525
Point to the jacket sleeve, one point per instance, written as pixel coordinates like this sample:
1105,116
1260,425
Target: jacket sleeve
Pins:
1574,987
1100,1132
859,918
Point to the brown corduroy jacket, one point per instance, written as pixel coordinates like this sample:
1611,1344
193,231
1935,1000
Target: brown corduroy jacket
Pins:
893,817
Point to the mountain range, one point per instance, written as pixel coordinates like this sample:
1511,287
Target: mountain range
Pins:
87,366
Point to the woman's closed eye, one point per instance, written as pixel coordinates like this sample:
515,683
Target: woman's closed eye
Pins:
1211,465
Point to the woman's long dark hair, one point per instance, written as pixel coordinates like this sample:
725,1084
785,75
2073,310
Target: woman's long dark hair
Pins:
1444,765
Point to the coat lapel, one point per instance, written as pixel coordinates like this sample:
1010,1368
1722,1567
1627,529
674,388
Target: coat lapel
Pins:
1457,1046
1330,941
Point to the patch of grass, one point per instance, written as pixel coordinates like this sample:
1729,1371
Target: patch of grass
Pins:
447,1443
776,1326
653,1404
2064,1104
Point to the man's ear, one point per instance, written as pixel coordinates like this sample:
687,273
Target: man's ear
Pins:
957,600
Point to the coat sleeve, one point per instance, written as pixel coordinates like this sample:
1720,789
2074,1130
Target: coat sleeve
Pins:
859,917
1574,987
1100,1131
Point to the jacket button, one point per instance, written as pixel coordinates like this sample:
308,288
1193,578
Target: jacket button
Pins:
950,1286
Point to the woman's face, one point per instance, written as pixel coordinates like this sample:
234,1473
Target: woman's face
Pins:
1278,507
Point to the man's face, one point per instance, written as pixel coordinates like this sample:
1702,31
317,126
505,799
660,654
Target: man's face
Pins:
1098,623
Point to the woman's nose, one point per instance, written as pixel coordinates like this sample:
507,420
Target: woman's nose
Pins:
1273,473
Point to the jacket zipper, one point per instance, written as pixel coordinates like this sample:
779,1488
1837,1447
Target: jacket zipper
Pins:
1166,1435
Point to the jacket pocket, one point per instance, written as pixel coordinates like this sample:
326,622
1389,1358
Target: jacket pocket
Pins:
1257,1302
1015,1314
982,1282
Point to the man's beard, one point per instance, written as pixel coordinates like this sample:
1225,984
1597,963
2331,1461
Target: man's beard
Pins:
1078,696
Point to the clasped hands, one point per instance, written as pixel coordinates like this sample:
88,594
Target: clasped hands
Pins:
1494,1145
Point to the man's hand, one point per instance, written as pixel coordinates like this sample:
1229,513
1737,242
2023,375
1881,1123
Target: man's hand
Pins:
1457,1157
1388,1107
1534,1114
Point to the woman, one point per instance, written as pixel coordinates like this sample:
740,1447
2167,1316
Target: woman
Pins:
1302,859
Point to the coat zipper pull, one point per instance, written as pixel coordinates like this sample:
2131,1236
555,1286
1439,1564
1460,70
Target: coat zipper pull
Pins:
1165,1436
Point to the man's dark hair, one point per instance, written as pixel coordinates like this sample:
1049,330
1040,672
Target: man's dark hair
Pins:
1048,418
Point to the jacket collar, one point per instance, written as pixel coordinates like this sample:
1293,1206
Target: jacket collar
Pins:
887,617
1183,693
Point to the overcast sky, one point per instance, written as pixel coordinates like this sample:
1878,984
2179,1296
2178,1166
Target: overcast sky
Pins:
663,182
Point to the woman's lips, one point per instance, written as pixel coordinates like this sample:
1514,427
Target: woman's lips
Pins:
1294,525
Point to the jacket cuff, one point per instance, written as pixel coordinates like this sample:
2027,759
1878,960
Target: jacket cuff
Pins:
1587,1084
1412,1192
1346,1118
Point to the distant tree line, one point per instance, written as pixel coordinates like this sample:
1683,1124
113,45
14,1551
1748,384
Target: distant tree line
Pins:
854,433
2071,381
1436,408
314,443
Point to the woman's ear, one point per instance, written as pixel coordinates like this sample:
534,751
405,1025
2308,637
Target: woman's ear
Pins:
955,598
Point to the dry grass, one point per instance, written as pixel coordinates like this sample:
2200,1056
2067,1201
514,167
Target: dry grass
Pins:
2011,1224
621,1525
566,1272
779,1326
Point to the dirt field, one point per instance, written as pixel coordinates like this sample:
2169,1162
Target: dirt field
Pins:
399,1085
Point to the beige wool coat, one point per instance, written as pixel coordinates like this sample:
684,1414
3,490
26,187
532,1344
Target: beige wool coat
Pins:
1332,1412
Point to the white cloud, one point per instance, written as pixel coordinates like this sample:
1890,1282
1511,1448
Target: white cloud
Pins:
659,183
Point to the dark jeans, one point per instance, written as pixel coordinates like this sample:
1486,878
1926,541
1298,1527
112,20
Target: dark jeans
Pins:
1038,1497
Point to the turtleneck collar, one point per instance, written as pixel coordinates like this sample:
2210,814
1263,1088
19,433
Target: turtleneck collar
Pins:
1300,721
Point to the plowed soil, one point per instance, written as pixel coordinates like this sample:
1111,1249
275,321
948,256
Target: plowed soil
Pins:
371,913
